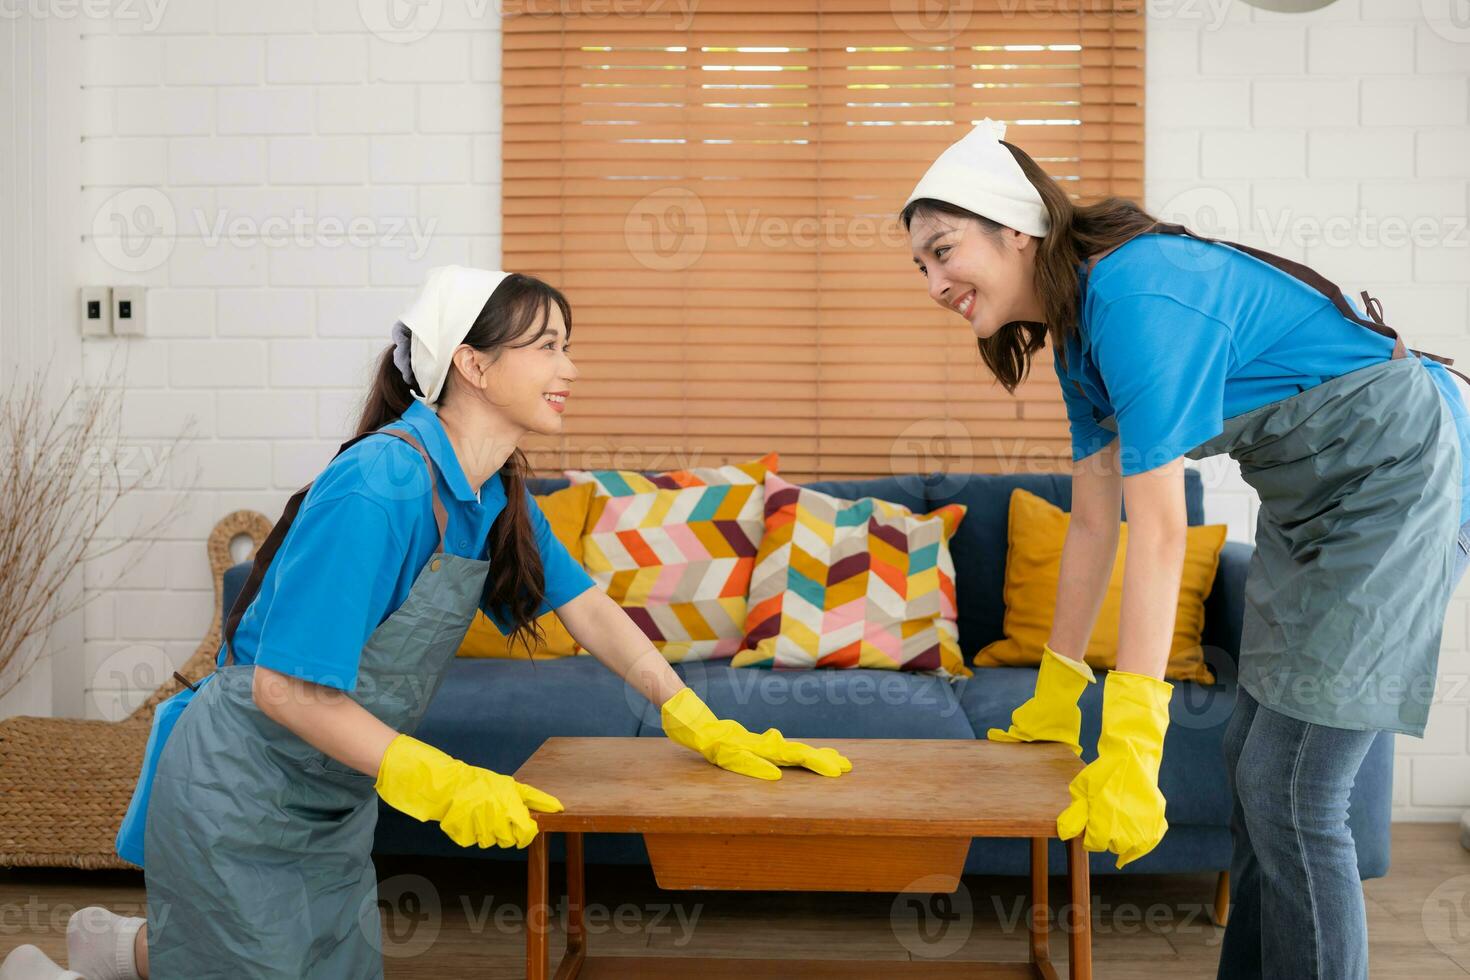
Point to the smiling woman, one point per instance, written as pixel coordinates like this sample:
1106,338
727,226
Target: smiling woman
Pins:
982,246
516,357
341,637
1169,345
263,779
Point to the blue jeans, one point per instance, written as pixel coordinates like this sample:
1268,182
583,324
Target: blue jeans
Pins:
1296,902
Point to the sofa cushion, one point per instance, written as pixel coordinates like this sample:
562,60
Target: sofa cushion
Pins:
979,546
676,551
1192,777
632,483
811,704
851,583
906,490
1038,532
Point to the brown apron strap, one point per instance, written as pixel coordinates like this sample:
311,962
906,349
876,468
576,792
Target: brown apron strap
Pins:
441,516
267,550
1374,321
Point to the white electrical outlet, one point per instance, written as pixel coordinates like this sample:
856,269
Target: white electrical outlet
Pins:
129,311
95,311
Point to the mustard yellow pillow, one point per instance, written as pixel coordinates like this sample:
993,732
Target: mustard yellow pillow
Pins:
1033,569
566,512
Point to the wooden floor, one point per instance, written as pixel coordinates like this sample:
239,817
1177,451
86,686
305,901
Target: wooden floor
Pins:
465,919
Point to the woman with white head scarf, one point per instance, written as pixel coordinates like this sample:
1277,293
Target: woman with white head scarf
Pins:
1169,345
260,783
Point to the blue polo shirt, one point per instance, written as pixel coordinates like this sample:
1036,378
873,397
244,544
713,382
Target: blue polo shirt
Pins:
1176,336
363,534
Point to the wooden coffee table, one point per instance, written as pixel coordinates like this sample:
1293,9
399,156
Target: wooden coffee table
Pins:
905,814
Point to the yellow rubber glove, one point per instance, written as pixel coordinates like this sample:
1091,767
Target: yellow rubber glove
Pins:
473,805
1116,799
1051,714
729,745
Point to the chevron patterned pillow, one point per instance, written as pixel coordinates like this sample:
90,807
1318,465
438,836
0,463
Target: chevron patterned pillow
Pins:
626,483
852,583
676,551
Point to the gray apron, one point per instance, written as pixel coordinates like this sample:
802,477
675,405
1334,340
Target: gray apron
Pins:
259,846
1359,485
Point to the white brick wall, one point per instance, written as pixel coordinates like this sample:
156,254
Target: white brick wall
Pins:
238,114
310,171
1260,123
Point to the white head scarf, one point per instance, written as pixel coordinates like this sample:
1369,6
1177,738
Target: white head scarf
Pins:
429,331
978,174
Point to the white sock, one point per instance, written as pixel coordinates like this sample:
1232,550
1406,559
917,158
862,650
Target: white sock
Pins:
29,963
99,944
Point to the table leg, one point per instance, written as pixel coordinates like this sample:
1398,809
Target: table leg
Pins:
1079,941
576,902
1222,899
537,913
1040,921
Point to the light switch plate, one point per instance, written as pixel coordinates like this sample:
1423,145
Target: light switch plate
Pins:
129,311
94,311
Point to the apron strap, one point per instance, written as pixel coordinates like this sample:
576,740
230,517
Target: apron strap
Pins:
441,516
1305,274
268,548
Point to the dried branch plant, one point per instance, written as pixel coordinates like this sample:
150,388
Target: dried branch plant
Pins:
64,469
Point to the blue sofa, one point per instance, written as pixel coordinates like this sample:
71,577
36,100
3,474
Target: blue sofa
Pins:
495,713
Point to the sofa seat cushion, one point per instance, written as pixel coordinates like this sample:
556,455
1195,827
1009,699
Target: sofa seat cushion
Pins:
496,713
1192,777
814,704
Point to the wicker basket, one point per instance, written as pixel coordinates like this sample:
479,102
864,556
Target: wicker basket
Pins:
65,783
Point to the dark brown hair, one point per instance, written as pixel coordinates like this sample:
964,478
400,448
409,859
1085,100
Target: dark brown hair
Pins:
515,583
1076,232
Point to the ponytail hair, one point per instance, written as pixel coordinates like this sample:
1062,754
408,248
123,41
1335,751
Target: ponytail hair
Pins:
1076,232
516,582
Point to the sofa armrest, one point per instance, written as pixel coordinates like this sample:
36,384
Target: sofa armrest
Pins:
234,581
1225,605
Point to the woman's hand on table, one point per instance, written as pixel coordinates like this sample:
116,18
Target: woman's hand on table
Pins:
729,745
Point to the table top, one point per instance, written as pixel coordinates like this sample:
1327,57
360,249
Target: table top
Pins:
897,787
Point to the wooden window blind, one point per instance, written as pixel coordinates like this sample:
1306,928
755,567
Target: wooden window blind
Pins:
715,187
